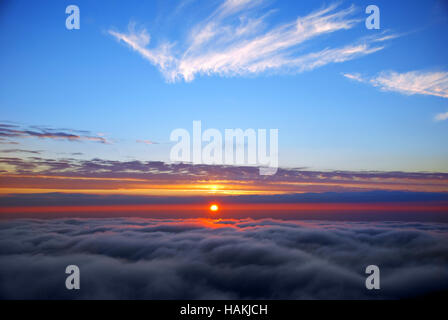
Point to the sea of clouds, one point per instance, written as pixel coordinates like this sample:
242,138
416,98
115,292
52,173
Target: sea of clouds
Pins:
137,258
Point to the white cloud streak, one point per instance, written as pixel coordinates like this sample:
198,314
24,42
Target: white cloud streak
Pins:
441,116
232,42
409,83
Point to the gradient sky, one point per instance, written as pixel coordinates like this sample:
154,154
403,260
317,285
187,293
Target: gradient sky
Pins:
377,110
85,124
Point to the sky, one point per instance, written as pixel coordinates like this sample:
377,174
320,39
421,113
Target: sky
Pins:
90,111
335,109
86,176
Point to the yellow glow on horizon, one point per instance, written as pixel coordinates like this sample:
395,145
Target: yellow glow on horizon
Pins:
144,191
36,183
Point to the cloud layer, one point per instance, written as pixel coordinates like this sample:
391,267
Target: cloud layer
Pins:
236,39
220,259
100,174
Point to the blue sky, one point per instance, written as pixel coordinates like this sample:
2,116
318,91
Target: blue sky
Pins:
376,110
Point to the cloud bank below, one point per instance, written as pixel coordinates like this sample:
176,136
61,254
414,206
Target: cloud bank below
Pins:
220,259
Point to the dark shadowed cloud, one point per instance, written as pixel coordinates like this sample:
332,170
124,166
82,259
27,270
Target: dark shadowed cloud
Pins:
289,177
220,259
20,151
17,131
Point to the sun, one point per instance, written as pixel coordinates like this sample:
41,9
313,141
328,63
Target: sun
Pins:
214,208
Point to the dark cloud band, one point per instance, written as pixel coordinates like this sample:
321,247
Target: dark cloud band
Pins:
220,259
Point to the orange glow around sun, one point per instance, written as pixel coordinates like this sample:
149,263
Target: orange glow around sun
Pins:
214,208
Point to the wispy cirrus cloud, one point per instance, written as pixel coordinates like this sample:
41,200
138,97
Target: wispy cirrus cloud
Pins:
408,83
6,141
20,151
234,41
148,142
18,131
441,116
